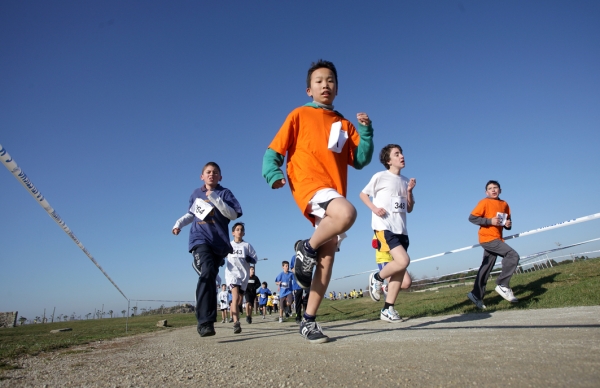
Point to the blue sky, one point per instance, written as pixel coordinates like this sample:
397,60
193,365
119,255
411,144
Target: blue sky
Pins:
112,108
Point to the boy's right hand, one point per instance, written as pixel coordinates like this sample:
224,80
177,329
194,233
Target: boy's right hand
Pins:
278,184
496,221
380,212
176,231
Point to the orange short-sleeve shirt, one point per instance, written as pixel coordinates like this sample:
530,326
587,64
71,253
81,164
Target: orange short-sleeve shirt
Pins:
311,166
488,208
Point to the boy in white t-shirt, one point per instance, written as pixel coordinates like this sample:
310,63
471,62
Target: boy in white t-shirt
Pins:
222,301
392,198
237,271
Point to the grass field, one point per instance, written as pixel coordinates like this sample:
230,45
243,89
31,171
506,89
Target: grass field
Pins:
574,284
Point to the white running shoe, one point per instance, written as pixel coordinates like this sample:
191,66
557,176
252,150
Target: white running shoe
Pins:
280,320
374,288
478,302
506,293
390,315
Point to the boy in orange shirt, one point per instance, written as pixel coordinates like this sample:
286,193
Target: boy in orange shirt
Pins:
492,215
320,144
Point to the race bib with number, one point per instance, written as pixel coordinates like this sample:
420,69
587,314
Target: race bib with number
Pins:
502,218
399,204
201,208
337,137
284,284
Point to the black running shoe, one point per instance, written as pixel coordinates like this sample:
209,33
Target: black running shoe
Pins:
303,269
249,320
237,328
312,332
206,329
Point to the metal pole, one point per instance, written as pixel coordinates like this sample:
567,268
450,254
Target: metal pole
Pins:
127,320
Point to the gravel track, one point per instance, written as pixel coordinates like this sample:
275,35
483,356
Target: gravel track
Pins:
523,348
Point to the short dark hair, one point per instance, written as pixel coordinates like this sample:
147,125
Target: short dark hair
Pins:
236,224
384,154
285,262
319,65
211,164
492,183
264,284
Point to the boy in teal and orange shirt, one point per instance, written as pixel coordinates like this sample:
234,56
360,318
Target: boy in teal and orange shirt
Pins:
320,144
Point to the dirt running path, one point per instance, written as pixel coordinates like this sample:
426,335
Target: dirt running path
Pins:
537,348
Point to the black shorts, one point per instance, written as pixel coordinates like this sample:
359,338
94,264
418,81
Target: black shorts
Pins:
250,296
388,240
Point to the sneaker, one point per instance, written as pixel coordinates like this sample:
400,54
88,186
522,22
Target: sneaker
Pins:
237,328
312,332
506,293
298,320
206,329
390,315
230,320
264,317
478,302
303,269
223,321
280,320
374,288
249,320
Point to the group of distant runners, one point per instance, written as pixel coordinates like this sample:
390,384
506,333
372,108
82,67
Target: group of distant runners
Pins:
319,144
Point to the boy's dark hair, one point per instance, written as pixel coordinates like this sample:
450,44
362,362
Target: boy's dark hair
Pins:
264,284
384,154
239,223
285,262
212,164
492,183
319,65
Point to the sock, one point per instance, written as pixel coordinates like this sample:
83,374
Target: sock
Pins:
377,277
309,318
309,249
386,305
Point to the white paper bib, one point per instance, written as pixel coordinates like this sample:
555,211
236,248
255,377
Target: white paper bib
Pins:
337,137
399,204
201,208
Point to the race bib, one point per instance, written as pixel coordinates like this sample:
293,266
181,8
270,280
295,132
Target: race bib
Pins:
502,218
337,137
251,281
201,208
399,204
284,284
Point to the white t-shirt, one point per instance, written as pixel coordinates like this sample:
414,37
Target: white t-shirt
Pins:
390,192
222,300
237,271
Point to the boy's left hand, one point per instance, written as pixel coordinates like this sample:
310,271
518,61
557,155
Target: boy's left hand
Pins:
363,119
508,224
411,184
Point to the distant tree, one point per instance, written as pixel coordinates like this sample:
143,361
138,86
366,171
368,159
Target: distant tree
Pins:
87,316
134,309
65,317
37,319
22,320
110,312
143,310
123,312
